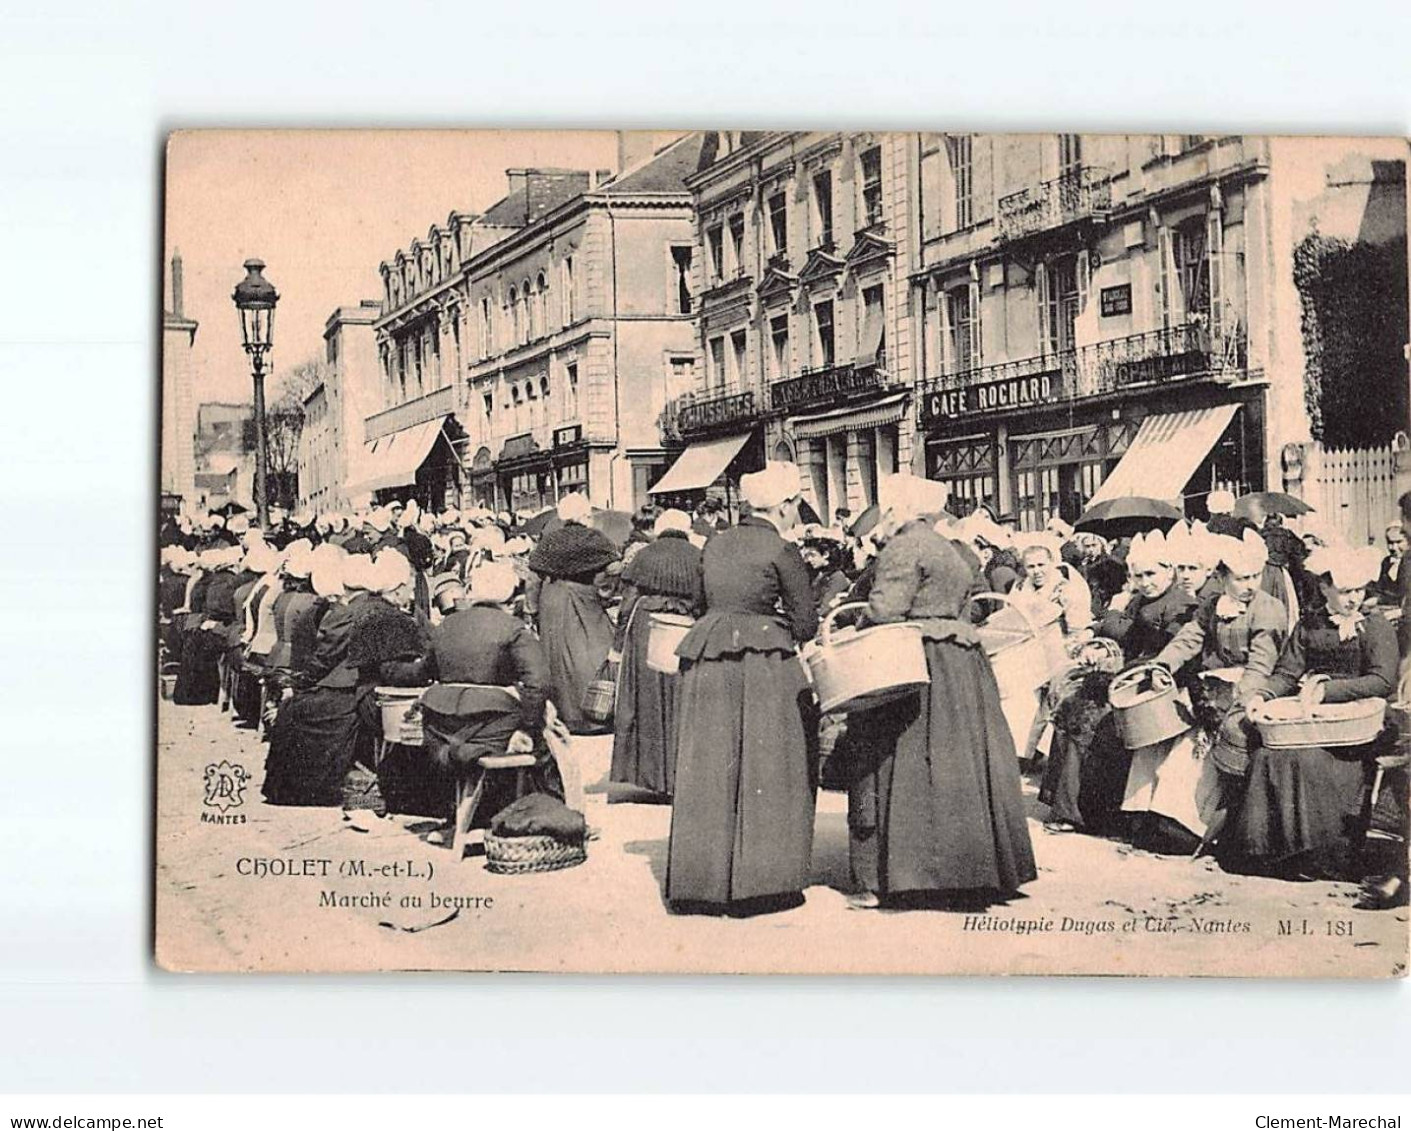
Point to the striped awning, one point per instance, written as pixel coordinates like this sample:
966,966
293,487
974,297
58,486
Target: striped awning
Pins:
700,465
888,410
1164,454
393,460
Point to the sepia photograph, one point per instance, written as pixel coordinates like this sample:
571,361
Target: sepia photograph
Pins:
783,552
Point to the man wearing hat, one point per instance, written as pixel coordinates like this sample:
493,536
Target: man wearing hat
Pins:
742,819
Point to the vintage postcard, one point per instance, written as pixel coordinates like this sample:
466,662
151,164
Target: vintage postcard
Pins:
784,552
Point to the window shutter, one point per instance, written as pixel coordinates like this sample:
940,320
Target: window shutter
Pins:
1041,291
1082,271
982,193
1214,250
1167,282
943,310
976,338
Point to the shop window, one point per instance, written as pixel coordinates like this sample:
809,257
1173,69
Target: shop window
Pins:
823,335
872,187
779,346
778,223
681,270
823,209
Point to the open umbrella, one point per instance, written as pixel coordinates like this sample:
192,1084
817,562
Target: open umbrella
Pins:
225,510
807,514
1128,514
536,526
615,526
1271,502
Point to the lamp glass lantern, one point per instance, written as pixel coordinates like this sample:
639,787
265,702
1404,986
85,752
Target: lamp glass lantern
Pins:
255,298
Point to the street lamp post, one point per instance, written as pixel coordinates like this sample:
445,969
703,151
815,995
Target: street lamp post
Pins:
255,297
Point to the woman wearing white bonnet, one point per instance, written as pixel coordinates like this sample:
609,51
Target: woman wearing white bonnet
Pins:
934,799
1302,806
1230,644
742,818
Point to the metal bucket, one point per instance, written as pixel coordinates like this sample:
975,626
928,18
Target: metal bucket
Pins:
854,669
1146,707
666,632
401,721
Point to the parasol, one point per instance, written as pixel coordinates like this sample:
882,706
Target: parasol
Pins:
1270,502
1128,514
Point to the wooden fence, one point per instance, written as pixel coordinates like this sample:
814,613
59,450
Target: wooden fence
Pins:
1354,491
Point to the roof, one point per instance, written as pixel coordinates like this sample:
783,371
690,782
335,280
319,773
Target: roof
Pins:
552,187
665,171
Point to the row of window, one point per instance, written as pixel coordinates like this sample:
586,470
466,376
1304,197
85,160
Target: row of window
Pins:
727,354
528,403
725,241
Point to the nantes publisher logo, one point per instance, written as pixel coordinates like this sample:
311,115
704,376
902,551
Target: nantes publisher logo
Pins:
225,790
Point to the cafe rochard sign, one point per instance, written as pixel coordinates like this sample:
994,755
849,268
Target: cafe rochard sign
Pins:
991,396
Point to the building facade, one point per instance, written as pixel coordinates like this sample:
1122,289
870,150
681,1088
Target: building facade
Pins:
1041,321
178,461
803,256
530,350
331,441
225,455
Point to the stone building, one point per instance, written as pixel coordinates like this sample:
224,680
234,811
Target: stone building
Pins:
530,350
804,249
1042,321
178,458
1112,314
331,441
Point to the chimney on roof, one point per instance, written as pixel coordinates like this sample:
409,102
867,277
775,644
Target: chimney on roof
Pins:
546,189
176,283
518,180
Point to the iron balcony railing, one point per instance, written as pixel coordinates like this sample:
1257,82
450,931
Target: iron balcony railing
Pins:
1075,195
1097,369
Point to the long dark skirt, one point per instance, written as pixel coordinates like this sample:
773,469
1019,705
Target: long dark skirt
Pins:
936,802
742,821
648,705
312,746
1086,775
1302,811
198,679
577,635
454,742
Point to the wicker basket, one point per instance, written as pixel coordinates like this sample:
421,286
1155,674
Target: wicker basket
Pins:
1288,723
517,855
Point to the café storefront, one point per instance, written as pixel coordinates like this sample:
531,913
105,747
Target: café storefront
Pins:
1046,437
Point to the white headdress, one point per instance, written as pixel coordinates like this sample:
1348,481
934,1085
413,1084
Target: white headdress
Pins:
1347,568
1149,549
574,507
910,496
493,582
671,519
1244,555
777,483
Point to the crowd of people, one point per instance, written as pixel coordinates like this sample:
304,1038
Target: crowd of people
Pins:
516,629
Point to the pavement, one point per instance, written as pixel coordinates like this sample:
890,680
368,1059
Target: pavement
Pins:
252,887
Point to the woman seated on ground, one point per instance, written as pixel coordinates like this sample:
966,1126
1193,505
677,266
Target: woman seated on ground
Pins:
663,577
487,697
1087,770
1301,815
934,801
1229,645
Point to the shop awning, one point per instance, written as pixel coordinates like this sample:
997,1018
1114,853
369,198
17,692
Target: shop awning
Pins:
1167,449
888,410
700,465
393,460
